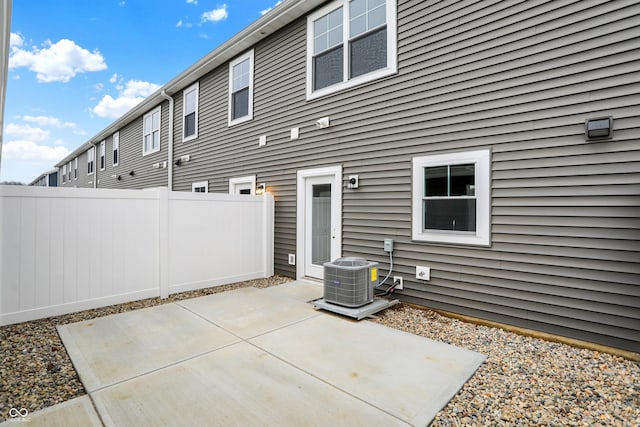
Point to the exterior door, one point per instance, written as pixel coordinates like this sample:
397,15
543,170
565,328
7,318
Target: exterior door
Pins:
319,220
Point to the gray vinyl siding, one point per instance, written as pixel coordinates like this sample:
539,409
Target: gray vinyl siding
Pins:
132,160
83,180
519,78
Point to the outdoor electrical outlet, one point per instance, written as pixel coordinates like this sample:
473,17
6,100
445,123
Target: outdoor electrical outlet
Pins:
400,282
423,273
292,259
388,245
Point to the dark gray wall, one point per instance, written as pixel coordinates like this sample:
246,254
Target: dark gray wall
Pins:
519,78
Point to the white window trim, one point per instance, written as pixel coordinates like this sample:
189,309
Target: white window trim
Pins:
482,161
103,155
195,87
91,154
150,113
392,49
249,116
204,184
115,146
243,181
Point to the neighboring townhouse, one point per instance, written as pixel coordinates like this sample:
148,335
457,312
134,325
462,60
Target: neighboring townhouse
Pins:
495,142
47,179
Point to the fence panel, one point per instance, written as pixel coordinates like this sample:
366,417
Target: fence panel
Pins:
65,250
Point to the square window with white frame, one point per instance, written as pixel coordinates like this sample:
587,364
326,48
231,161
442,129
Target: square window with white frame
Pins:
350,42
241,89
151,131
451,198
190,112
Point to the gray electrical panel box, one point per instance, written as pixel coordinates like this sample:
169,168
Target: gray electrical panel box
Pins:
388,245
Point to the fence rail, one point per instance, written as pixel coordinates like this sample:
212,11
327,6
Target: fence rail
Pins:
65,250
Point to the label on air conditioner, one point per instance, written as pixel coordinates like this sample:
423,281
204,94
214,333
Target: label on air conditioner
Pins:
374,274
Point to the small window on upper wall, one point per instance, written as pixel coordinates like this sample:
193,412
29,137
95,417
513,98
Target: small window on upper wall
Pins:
350,42
190,113
151,132
91,155
75,168
103,155
69,171
241,89
451,198
116,148
64,174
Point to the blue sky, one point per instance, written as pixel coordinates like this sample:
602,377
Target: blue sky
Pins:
77,65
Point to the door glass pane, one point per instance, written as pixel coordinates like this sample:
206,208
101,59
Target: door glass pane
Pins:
321,224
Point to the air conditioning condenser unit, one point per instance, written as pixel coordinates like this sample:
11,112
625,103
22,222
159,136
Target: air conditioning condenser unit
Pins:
350,281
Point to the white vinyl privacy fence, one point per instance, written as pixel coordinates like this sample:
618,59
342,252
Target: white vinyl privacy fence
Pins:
65,250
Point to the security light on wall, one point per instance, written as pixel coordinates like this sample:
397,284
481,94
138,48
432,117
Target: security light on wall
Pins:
600,128
323,123
261,188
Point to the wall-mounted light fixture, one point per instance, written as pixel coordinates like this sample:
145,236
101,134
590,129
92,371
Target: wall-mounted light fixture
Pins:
323,123
600,128
353,181
132,173
261,188
182,159
119,178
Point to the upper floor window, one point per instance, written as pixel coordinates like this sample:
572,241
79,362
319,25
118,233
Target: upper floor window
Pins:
103,155
190,113
241,89
69,171
151,132
350,42
64,173
451,198
91,155
75,168
116,148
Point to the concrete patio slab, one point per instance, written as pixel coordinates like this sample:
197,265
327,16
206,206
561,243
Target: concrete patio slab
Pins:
405,375
78,412
260,357
118,347
248,312
238,385
301,290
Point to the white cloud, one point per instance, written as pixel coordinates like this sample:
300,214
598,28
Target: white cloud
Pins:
215,15
26,132
129,95
29,150
49,121
114,78
15,39
262,12
57,62
192,1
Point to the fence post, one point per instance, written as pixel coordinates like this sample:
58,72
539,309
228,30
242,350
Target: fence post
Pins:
268,233
163,241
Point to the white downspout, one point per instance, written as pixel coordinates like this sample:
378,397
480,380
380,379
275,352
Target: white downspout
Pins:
95,166
170,148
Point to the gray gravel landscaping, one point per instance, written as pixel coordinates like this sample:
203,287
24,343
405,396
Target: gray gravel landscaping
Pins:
525,381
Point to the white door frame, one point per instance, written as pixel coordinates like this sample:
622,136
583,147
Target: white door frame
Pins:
336,218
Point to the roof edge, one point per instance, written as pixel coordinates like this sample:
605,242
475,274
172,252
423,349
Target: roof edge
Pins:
270,22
